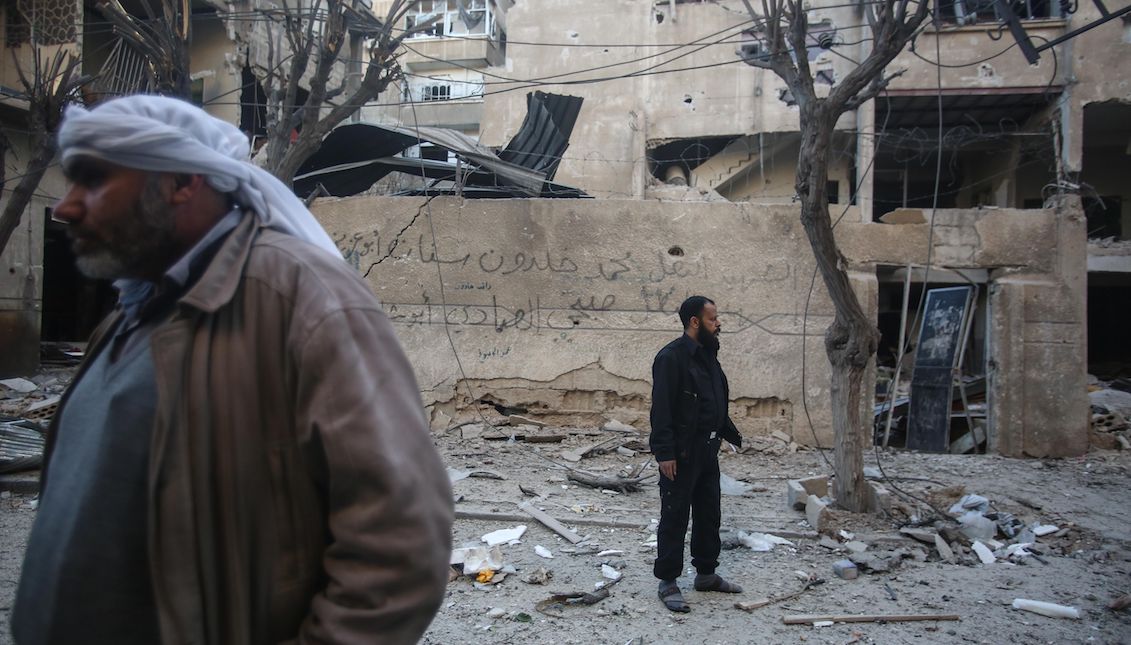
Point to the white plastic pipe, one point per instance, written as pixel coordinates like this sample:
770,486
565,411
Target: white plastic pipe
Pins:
1052,610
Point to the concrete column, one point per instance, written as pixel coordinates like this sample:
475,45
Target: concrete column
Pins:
1038,335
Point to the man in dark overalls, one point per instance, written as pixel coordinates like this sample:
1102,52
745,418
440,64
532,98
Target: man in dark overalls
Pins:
689,421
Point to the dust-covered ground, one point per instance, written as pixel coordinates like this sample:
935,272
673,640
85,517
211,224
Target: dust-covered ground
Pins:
1085,564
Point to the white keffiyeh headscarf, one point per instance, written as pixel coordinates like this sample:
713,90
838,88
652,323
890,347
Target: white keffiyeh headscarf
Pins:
163,134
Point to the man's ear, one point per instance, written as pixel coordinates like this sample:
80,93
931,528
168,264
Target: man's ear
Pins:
185,186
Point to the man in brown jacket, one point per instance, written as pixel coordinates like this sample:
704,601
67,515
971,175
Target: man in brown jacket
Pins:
243,457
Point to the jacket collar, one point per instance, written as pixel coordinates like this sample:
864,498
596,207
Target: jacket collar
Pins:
689,344
218,284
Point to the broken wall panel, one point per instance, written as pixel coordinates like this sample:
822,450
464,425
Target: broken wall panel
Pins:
559,306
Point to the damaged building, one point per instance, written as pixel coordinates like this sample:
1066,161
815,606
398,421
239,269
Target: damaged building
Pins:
671,160
230,49
556,308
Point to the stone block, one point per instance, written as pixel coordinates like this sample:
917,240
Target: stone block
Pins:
816,512
945,552
797,491
881,497
846,570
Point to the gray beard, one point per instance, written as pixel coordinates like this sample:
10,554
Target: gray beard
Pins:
141,244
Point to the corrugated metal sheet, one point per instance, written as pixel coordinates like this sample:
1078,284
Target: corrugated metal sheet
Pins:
544,135
355,156
21,446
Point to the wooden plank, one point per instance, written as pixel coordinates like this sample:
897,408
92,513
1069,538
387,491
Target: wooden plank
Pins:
809,619
551,523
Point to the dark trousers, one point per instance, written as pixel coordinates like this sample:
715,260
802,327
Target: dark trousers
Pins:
695,492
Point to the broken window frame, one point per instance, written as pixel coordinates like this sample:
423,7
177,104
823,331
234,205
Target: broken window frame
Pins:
970,12
451,22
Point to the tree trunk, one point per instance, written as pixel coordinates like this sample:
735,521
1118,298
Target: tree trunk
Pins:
851,340
295,155
44,151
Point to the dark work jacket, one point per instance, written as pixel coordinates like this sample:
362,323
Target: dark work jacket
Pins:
676,390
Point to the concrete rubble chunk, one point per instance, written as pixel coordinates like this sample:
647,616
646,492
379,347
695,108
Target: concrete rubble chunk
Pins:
797,491
984,553
924,536
856,546
471,430
816,512
521,420
846,570
1041,530
875,562
612,425
830,543
881,498
945,552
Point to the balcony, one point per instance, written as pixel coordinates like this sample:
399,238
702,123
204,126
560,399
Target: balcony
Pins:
429,54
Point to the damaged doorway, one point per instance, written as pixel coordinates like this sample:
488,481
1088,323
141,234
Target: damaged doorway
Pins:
900,291
1109,308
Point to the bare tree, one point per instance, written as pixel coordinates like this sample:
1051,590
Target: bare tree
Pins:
315,39
851,339
161,38
49,86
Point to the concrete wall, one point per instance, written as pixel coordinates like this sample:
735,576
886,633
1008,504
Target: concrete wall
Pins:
558,306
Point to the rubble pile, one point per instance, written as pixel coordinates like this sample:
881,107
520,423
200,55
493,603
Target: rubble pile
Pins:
1111,409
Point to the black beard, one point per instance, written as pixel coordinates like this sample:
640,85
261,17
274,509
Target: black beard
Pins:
709,341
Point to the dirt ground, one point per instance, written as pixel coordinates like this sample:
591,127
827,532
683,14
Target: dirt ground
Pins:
1086,563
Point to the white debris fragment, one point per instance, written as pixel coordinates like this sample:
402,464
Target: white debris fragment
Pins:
616,426
976,526
479,558
21,385
456,475
761,541
1017,550
970,503
845,535
823,623
609,552
502,536
984,553
543,552
1044,529
610,573
731,486
1052,610
496,612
